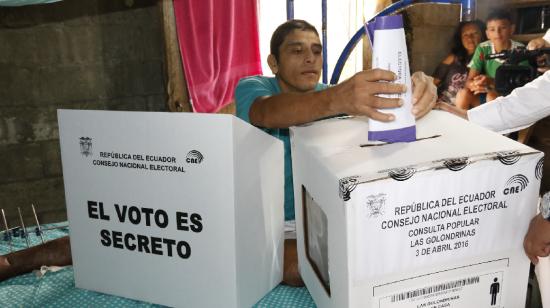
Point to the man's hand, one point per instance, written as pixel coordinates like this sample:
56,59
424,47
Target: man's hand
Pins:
541,60
359,94
424,94
55,252
537,43
537,239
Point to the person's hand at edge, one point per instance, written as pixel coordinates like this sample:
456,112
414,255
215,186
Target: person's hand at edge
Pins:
424,94
537,240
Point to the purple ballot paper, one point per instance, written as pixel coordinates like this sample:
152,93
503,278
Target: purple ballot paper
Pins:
390,53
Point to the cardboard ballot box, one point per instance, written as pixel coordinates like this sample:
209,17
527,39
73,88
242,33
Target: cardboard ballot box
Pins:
438,222
176,209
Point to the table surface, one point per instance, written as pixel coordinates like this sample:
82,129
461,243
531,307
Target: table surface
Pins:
57,289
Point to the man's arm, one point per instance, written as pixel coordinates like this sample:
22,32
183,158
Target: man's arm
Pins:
453,109
355,96
523,107
56,252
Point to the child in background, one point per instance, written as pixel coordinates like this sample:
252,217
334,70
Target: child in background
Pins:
451,74
480,85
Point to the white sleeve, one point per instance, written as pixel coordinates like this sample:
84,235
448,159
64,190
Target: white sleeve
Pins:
522,108
546,37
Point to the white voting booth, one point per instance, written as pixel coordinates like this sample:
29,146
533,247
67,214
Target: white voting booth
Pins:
438,222
176,209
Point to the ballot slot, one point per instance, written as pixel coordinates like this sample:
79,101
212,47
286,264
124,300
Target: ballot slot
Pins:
366,145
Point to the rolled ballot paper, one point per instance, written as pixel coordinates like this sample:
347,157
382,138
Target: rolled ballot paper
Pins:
390,53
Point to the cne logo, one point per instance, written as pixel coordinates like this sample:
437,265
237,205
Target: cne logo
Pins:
539,169
401,174
516,184
508,158
86,146
456,164
194,157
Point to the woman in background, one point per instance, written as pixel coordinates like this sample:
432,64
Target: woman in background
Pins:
451,74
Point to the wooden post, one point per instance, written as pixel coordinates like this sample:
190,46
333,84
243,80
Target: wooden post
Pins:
176,85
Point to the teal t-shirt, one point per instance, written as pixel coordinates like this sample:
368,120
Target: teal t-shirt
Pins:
250,88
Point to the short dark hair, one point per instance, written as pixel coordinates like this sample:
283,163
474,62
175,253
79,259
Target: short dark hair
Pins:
500,14
283,30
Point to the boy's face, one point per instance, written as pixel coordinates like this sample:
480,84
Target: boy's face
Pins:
300,62
499,32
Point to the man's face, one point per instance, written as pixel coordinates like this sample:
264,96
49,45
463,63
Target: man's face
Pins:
300,62
499,32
